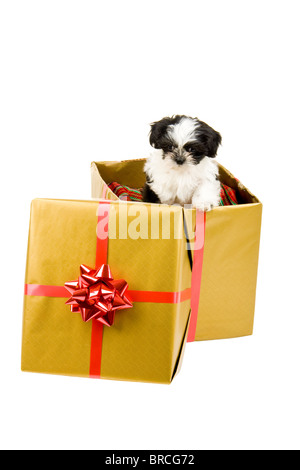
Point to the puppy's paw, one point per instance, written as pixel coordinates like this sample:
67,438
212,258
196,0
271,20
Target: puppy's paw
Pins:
203,205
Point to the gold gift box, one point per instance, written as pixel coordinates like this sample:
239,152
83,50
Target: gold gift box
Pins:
146,342
230,262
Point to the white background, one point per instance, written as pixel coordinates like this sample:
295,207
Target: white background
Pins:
81,81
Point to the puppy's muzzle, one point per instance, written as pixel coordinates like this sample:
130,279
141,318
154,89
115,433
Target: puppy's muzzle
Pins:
179,159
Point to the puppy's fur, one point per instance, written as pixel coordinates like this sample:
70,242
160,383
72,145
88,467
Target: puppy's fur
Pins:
181,169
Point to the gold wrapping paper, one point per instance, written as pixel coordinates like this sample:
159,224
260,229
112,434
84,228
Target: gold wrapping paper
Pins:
232,236
146,343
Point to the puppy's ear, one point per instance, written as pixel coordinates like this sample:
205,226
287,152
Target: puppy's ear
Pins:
158,132
209,138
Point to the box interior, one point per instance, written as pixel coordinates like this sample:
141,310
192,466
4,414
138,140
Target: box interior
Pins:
131,173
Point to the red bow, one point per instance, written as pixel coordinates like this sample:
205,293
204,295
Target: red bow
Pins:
96,295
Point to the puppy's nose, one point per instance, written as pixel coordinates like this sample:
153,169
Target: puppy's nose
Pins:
179,159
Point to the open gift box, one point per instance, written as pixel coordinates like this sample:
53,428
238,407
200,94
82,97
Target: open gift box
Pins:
225,269
99,303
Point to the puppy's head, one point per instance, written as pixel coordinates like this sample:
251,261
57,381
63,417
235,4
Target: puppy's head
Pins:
184,140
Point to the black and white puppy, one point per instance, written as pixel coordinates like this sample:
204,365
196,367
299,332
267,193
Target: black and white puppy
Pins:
181,169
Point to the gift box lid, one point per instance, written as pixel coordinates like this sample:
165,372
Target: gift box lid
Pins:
146,341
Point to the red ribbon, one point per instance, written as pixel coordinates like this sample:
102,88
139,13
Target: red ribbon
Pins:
197,273
39,290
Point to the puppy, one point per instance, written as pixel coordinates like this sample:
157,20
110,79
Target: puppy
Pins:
181,169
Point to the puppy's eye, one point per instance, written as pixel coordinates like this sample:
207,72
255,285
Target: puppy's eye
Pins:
190,149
